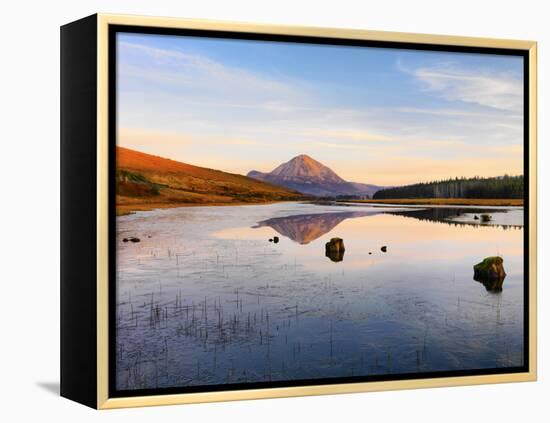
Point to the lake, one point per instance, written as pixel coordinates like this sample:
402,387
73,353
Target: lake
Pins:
206,299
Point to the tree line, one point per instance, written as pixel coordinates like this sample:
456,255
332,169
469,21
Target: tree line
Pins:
497,187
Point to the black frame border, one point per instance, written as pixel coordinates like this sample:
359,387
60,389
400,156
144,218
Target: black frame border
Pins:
113,30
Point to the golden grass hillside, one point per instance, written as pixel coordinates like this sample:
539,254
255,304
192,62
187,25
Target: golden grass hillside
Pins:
145,182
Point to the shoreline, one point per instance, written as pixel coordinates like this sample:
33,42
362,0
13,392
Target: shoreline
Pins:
482,202
128,209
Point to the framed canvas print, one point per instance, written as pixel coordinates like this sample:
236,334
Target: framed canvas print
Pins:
258,211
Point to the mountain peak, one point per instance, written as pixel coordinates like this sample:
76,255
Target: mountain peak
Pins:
302,157
304,167
304,174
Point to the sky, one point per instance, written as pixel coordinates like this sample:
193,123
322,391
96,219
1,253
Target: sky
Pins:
373,115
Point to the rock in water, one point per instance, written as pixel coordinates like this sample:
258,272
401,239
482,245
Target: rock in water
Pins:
490,268
490,272
384,249
275,239
486,217
134,239
334,249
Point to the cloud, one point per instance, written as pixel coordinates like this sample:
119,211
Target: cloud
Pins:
459,113
498,90
138,137
350,134
402,170
203,78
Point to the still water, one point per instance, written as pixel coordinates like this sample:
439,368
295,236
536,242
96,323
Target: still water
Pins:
205,298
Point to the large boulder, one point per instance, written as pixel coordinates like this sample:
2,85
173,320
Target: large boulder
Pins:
334,249
490,272
490,268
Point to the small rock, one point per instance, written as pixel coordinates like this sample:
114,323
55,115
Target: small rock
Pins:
384,248
334,249
125,240
486,217
275,239
476,217
270,239
370,253
134,239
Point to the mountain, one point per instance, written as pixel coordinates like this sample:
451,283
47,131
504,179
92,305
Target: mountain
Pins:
144,181
308,176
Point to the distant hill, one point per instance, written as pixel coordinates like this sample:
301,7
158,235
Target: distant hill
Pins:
308,176
500,187
145,181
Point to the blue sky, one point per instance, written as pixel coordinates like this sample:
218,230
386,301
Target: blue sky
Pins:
382,116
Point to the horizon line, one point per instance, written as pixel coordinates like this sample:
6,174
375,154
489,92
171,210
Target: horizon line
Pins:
449,178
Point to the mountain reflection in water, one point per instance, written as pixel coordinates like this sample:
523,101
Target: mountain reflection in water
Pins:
305,228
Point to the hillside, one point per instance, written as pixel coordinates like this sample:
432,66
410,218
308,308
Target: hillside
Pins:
145,181
305,174
500,187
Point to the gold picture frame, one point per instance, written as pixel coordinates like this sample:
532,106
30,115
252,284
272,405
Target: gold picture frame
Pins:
101,23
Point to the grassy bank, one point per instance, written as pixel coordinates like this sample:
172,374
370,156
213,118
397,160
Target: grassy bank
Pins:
446,201
146,182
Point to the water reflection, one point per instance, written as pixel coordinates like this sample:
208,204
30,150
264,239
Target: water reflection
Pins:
306,228
455,216
491,285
